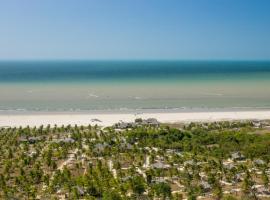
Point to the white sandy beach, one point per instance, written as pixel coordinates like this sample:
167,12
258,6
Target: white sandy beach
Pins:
15,120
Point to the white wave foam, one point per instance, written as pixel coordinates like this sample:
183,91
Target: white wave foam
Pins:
213,94
91,95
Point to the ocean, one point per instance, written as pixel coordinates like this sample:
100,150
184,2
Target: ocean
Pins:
123,86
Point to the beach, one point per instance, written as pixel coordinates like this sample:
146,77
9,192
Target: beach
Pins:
108,119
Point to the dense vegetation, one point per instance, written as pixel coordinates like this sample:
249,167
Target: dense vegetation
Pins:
224,160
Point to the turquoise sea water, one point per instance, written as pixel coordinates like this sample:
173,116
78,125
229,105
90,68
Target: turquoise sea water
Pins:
133,85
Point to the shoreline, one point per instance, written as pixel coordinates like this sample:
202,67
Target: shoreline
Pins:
72,118
133,111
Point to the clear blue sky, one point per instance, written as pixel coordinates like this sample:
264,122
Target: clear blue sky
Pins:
135,29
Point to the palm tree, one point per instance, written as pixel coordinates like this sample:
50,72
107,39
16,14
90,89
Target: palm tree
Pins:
163,190
217,190
137,185
247,186
265,179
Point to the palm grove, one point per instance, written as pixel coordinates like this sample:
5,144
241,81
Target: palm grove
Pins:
220,160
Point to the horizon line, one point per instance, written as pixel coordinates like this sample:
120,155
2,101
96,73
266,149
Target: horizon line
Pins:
135,59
